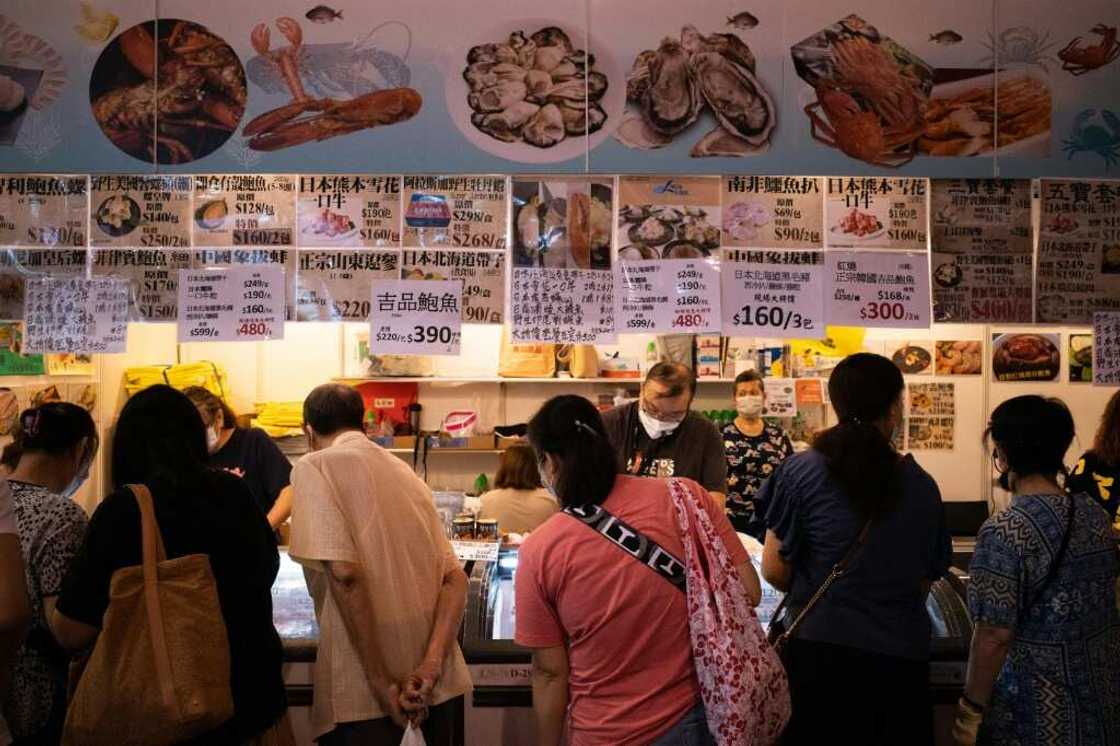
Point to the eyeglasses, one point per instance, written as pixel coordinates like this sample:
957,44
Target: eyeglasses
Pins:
652,410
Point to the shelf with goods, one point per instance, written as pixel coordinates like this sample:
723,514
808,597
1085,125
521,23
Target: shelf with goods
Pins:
436,380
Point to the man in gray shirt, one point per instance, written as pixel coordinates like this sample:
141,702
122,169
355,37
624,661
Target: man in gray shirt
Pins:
659,435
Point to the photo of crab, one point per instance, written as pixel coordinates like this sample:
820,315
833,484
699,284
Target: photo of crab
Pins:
168,91
689,74
351,93
562,223
1093,133
1080,57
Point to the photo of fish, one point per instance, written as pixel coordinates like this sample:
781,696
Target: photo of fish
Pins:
946,38
323,14
201,91
668,89
743,20
308,119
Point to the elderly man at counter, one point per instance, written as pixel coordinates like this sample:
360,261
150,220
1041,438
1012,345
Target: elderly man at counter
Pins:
389,592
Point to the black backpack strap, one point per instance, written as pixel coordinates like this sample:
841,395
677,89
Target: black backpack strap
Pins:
632,541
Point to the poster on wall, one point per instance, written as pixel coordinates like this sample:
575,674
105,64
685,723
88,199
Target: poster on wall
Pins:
1078,250
1079,355
416,317
773,212
224,258
455,211
877,289
876,213
76,315
349,210
931,416
43,210
781,397
244,210
153,279
1106,349
912,358
982,288
669,296
959,357
1026,357
233,304
564,306
562,223
127,210
668,217
13,360
773,294
70,364
334,285
483,274
19,265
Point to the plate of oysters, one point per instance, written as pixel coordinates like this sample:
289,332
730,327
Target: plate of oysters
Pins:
534,91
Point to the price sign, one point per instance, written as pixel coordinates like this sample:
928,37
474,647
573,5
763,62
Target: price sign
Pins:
477,551
335,285
466,212
235,304
132,211
244,210
416,317
1106,349
76,315
873,289
774,294
876,213
669,295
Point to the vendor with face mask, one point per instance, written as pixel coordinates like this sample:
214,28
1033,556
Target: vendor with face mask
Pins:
247,452
754,450
659,436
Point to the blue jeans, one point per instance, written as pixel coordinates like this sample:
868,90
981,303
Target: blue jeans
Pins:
691,730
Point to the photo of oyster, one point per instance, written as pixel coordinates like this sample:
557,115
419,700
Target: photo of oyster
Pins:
562,223
666,232
118,215
535,88
211,215
670,88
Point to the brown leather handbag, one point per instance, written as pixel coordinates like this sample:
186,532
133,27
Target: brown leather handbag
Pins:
160,670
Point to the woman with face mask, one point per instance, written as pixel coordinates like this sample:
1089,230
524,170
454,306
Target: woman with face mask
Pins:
754,449
248,453
48,460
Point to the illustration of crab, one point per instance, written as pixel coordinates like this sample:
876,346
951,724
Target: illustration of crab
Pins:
1019,45
1078,60
1094,138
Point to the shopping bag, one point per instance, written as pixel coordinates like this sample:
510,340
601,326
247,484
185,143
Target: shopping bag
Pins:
413,737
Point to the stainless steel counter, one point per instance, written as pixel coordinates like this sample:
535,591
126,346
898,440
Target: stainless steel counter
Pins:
293,612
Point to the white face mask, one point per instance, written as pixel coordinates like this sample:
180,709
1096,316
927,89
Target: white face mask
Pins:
654,427
749,406
76,483
212,439
546,482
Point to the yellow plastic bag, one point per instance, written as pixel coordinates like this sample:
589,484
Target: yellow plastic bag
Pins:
526,361
210,376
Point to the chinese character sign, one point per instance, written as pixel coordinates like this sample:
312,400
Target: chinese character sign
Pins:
773,294
563,306
234,304
416,317
877,289
76,315
1106,349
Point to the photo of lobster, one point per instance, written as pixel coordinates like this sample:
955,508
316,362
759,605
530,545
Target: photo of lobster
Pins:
168,91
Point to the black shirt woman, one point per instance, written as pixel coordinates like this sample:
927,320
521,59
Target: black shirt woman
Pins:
160,442
247,452
754,448
859,663
1097,473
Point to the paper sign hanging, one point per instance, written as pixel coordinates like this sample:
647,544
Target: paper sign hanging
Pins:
773,294
76,315
416,317
233,304
877,289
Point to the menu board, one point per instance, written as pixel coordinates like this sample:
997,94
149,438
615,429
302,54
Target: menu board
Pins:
668,217
982,288
244,210
416,317
43,210
349,210
285,258
335,285
19,265
773,294
876,213
931,422
140,211
1106,349
566,306
773,212
481,272
458,211
981,216
1078,250
236,304
877,289
670,295
781,397
153,279
76,315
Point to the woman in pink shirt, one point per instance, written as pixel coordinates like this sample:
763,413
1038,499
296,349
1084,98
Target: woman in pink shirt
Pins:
609,632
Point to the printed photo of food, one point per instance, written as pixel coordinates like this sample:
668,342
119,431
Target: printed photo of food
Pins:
960,117
667,231
959,357
913,358
1080,358
168,91
562,223
118,215
1026,357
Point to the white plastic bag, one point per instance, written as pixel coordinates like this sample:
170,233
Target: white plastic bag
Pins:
413,737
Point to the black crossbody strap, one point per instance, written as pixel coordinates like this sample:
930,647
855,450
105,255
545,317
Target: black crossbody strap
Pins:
632,541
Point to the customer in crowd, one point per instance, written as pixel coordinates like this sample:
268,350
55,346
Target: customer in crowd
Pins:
389,592
610,636
1045,662
659,435
48,461
15,611
160,442
519,503
859,664
1097,473
247,452
754,448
